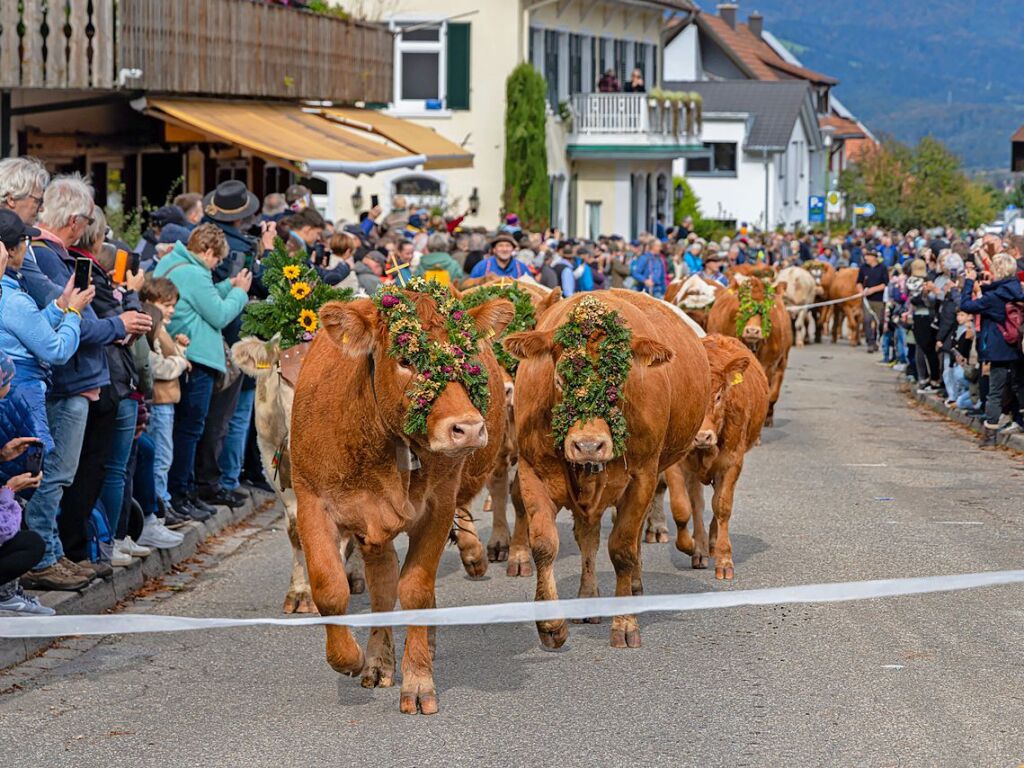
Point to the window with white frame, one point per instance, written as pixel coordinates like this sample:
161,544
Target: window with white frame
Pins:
419,64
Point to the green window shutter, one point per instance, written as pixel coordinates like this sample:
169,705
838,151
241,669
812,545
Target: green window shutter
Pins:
458,66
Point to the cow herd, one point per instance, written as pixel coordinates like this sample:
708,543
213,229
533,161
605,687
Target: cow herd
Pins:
407,405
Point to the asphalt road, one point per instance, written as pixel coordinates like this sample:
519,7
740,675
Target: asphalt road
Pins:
916,681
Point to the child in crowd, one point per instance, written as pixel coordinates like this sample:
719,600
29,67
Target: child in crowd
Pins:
955,377
167,362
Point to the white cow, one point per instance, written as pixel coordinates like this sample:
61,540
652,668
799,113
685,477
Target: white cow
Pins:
800,290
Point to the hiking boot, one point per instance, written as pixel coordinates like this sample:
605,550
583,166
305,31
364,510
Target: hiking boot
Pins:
258,483
55,576
174,520
185,508
14,602
201,505
101,569
77,568
223,498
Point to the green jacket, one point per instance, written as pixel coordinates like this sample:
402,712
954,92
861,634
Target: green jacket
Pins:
440,260
203,309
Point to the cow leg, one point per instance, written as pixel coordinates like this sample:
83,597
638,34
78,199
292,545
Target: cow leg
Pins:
588,538
657,526
471,551
774,390
520,560
497,487
352,556
416,591
721,504
682,510
541,513
695,491
624,550
382,570
328,580
801,327
299,598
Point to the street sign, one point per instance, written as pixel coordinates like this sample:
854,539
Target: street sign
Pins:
864,209
834,201
816,209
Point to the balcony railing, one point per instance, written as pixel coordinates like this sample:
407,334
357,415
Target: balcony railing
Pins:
204,47
638,114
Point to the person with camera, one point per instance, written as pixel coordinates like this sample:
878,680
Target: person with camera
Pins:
1005,369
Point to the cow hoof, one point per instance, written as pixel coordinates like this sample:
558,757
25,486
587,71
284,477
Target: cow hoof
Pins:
769,422
637,587
519,563
415,702
299,602
378,674
497,549
699,561
625,638
356,583
475,569
348,667
552,634
656,534
725,572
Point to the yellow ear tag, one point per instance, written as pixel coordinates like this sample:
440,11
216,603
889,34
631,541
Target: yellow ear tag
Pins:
490,333
263,366
344,338
737,378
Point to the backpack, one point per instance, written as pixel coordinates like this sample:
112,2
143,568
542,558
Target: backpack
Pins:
97,533
1013,328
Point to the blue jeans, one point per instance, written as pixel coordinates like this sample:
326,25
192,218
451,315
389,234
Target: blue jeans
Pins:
232,455
121,439
161,432
189,420
143,483
66,417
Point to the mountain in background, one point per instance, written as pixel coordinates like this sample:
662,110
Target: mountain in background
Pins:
909,68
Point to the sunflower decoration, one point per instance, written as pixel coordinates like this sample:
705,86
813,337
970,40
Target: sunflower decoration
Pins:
296,295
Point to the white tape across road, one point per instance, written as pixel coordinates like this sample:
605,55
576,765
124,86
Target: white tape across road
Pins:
799,307
507,613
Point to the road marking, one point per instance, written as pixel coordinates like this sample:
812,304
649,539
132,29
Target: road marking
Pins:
509,613
958,522
892,666
865,465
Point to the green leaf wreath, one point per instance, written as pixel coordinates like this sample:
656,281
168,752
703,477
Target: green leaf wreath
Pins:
435,363
593,389
525,318
296,295
749,307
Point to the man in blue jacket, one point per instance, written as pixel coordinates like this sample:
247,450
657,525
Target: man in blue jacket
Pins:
67,211
649,271
501,263
1004,360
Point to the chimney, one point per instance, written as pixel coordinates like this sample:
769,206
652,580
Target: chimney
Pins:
755,23
728,13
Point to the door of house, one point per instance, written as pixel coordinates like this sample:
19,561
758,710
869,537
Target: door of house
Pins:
593,219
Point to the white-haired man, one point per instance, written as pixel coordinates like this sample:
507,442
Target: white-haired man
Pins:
67,210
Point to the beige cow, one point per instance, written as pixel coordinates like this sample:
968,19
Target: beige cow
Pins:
800,291
274,394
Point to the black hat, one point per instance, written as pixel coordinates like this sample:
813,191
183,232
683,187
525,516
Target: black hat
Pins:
377,256
168,214
230,201
13,229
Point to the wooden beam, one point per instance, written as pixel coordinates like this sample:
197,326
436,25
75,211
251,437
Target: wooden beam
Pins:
606,14
586,8
626,16
560,8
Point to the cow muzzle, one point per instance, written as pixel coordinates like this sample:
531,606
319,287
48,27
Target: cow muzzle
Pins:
457,435
753,334
590,451
706,438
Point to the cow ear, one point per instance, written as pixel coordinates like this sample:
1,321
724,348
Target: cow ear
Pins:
455,291
492,317
527,344
780,286
735,368
254,357
548,301
650,352
351,325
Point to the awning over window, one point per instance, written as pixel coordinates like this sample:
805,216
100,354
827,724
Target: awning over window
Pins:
283,134
418,139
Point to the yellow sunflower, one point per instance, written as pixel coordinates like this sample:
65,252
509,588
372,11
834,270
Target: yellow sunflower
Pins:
308,320
301,290
292,271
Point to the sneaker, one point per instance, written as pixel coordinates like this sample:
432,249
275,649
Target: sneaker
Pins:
242,497
77,568
185,508
129,547
1010,428
258,483
120,559
156,536
101,570
927,389
17,603
173,520
201,505
223,498
901,367
55,576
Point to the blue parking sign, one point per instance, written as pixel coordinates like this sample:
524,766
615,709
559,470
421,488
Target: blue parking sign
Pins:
816,209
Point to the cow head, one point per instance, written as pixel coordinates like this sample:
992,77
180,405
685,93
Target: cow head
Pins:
589,439
255,357
727,365
753,321
454,426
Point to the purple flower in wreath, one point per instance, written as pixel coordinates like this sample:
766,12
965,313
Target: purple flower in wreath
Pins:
389,300
422,403
457,351
447,370
472,369
403,339
425,374
457,315
613,394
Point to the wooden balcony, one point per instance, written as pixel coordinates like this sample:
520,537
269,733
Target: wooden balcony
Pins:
614,124
239,48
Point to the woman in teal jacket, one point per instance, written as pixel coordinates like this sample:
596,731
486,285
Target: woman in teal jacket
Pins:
438,258
204,308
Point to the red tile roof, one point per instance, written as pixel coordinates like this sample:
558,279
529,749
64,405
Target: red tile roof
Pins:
1019,135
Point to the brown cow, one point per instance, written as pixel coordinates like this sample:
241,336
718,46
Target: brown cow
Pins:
662,402
356,472
772,352
732,426
845,284
694,296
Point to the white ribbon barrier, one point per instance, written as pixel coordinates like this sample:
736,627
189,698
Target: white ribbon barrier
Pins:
509,613
799,307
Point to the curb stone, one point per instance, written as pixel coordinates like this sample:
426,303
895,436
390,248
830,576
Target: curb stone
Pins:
103,594
1014,441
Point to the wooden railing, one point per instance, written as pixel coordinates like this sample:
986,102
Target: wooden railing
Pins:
632,113
242,48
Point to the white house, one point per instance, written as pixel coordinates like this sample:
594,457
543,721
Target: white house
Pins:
609,154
